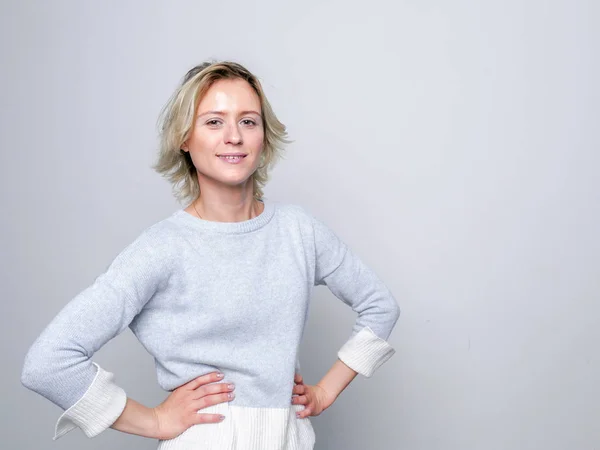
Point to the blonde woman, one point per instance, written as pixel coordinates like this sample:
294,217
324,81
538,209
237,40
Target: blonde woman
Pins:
217,292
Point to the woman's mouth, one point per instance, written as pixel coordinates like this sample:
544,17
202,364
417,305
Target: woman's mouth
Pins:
232,159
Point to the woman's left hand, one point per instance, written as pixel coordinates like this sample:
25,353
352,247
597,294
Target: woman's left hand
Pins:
314,398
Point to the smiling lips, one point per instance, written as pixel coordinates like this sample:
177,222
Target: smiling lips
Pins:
232,158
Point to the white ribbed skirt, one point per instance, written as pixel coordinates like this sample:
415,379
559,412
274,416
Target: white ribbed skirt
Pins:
247,428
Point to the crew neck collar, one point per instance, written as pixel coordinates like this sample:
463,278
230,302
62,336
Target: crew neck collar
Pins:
244,226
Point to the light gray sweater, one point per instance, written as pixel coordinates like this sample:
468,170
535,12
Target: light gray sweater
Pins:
203,296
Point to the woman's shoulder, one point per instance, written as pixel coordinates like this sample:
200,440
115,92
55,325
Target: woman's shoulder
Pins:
295,211
310,222
162,229
159,236
302,213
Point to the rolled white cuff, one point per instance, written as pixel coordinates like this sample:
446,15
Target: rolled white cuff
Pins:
365,352
96,410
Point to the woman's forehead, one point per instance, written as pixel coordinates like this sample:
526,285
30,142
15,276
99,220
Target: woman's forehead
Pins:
230,96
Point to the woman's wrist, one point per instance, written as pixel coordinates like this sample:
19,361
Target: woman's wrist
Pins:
137,419
327,398
335,381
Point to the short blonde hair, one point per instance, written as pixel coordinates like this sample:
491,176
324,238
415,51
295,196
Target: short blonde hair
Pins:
178,117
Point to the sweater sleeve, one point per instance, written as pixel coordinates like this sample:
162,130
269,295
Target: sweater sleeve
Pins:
58,364
353,282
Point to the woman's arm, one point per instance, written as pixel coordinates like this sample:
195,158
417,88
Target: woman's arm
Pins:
353,282
58,364
336,380
321,396
357,285
137,419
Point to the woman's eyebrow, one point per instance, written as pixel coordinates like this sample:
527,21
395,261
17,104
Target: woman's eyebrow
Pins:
223,113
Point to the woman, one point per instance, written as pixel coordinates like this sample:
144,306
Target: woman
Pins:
217,292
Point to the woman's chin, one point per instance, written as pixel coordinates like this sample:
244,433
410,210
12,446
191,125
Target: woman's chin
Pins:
238,181
228,178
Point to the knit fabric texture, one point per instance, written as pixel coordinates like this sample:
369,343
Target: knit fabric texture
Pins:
202,296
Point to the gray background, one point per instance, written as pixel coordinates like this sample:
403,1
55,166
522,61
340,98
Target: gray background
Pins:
453,144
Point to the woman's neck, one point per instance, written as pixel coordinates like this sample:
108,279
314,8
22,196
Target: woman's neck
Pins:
225,208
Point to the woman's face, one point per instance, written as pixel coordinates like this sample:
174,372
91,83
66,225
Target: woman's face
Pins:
226,140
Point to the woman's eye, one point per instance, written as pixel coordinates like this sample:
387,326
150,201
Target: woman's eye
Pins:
213,122
248,122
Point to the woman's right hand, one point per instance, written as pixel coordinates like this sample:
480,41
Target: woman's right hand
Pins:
180,409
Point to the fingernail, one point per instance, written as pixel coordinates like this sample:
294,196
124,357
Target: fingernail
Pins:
231,386
222,418
298,415
220,375
231,395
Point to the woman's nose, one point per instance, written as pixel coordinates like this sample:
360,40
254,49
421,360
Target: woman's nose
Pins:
233,135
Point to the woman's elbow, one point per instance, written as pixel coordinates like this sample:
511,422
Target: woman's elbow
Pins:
31,375
393,311
35,370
